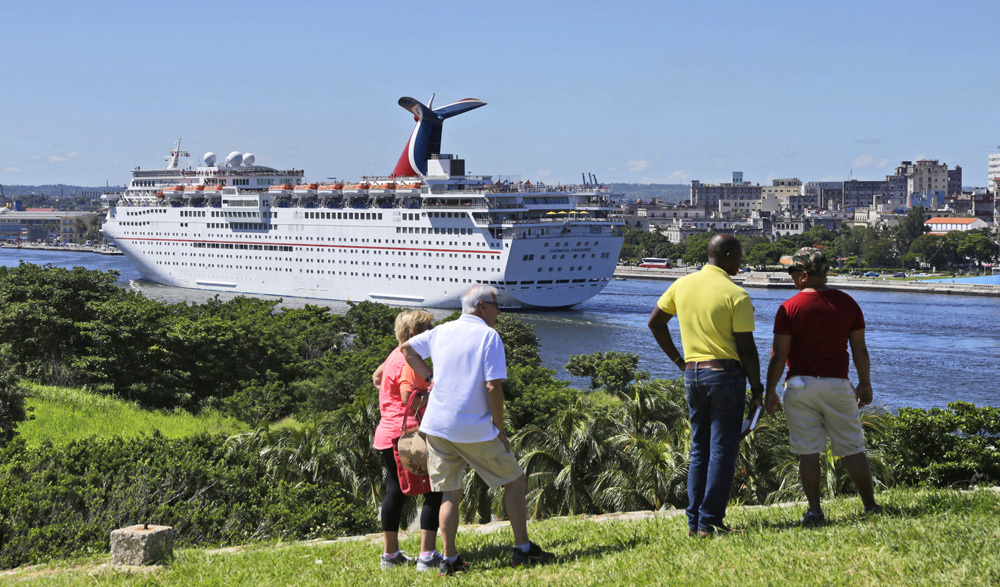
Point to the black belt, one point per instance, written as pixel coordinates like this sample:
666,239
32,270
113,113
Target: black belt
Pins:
713,364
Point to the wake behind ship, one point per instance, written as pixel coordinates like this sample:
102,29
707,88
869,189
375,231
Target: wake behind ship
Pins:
418,237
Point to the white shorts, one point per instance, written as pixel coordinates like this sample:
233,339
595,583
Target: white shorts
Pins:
817,407
446,462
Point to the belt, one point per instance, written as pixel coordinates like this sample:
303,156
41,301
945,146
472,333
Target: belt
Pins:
713,364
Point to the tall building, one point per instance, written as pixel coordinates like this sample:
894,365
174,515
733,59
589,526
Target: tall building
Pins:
926,176
707,196
993,169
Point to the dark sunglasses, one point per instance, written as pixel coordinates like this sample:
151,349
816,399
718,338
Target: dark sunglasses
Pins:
795,270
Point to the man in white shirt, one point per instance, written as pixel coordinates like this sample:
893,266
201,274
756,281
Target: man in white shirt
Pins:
464,419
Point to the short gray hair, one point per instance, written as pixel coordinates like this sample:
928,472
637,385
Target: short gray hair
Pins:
477,293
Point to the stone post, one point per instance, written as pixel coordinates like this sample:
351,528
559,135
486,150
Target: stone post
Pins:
142,544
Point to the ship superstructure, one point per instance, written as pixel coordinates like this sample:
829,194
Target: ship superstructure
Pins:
419,237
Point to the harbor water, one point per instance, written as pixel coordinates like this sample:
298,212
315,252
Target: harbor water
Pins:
927,349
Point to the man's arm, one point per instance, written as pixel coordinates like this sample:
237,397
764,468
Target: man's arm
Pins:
416,362
658,326
863,365
494,396
746,348
775,367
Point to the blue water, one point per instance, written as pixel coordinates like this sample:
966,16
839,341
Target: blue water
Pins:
926,349
988,279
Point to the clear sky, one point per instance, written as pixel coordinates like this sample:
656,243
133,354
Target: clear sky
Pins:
658,91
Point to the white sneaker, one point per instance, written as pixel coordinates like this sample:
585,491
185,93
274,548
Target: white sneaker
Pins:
430,564
399,560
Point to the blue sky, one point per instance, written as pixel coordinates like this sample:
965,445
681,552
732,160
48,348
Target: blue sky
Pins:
662,92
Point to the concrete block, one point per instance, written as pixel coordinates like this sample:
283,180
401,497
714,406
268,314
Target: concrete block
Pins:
141,545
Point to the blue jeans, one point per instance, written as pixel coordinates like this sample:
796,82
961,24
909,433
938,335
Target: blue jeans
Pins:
716,399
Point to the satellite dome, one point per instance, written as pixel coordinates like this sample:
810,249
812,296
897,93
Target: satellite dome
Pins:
234,159
210,158
248,159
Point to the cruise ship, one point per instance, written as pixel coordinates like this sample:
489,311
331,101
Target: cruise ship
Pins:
420,236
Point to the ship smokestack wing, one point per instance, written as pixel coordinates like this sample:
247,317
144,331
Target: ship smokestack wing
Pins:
425,140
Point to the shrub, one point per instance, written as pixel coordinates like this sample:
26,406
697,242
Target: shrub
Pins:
57,501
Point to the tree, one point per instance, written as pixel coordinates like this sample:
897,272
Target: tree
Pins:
978,246
696,248
613,371
12,411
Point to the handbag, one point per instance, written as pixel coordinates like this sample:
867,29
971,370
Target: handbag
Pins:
410,450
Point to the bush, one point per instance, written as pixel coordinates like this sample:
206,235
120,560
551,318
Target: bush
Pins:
12,409
958,446
58,501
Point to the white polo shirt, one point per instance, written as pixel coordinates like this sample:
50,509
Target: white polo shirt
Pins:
466,354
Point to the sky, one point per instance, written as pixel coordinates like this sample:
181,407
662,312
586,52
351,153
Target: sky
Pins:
630,91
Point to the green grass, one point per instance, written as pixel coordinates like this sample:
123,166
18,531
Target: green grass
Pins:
65,414
929,537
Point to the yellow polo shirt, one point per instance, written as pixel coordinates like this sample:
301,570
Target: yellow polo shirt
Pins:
710,308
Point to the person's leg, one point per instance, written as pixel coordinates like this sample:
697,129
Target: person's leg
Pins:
861,475
517,509
429,521
448,518
701,438
392,505
809,473
727,396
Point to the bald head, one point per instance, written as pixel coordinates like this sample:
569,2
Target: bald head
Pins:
725,251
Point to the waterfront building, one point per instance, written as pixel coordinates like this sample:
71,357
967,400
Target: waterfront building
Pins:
647,217
44,224
939,225
860,193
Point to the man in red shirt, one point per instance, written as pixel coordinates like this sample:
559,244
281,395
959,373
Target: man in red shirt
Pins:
811,332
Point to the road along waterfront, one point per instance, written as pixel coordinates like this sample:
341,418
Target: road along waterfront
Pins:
927,350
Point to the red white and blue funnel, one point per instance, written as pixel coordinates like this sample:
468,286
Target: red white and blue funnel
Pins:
426,137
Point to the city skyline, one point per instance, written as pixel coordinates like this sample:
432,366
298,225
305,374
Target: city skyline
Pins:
640,92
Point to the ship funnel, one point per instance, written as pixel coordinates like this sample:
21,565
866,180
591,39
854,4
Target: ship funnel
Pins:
425,140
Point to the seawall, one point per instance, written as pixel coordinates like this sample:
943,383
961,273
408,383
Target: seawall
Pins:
776,280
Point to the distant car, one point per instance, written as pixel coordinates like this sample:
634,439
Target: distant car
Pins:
871,274
744,270
899,274
855,273
921,275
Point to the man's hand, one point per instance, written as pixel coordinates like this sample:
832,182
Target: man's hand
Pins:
864,393
503,438
772,403
756,400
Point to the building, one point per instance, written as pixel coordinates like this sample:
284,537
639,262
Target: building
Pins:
940,225
993,169
44,224
926,176
707,196
860,194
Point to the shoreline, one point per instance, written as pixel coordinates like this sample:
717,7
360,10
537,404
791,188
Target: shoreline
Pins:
100,249
780,281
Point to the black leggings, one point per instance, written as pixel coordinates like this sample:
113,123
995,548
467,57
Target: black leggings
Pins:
392,505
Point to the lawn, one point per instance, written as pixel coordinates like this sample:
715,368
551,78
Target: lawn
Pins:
927,537
62,414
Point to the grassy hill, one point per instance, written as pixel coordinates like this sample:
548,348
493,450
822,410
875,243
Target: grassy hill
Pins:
63,414
928,537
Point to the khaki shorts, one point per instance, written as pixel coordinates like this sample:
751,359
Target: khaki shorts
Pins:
446,462
817,407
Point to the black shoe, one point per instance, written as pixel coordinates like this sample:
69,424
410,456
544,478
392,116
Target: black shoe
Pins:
872,511
710,531
535,554
446,569
811,518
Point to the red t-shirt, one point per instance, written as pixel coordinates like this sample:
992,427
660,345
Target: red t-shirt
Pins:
819,323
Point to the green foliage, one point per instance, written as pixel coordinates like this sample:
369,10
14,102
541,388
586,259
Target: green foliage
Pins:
12,410
957,446
696,248
612,371
55,501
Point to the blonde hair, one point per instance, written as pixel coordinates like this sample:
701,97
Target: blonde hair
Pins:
411,323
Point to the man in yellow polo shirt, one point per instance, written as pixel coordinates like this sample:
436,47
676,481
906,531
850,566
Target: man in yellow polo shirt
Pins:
720,355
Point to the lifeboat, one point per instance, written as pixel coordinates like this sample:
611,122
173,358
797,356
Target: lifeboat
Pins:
356,189
330,194
175,190
407,189
305,194
284,189
213,190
